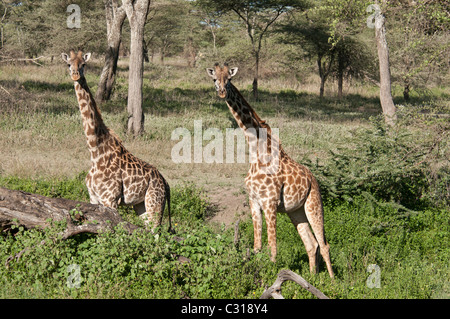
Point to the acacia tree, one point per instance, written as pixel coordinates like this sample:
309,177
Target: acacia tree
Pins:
136,12
420,43
163,29
31,28
353,60
345,17
312,37
258,17
310,33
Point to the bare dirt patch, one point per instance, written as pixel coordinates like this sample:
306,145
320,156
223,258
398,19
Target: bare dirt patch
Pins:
229,205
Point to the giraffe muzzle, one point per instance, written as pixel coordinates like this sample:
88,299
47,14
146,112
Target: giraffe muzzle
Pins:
222,93
75,76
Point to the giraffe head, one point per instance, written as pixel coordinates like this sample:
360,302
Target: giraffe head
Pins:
76,62
222,77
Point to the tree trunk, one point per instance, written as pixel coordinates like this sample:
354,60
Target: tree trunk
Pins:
340,74
387,104
324,71
255,78
32,210
19,208
137,14
322,86
115,16
340,83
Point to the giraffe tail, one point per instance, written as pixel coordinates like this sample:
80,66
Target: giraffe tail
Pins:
170,230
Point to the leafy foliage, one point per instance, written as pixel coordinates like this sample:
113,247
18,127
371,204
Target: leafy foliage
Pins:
385,165
203,262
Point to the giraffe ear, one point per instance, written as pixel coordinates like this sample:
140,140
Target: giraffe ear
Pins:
233,71
211,72
65,57
87,56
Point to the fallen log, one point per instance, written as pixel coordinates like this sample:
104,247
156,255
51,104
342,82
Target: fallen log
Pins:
274,291
32,210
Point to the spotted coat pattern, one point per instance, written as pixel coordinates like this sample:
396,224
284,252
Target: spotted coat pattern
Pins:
290,187
116,177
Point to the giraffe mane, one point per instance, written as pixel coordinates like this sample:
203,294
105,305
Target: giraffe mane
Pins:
258,121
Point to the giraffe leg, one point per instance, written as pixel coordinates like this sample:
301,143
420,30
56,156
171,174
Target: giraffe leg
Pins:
300,222
314,214
93,199
154,207
257,225
110,201
270,213
110,195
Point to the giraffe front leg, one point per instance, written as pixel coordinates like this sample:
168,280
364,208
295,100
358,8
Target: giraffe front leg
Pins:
109,195
110,201
257,225
93,198
270,213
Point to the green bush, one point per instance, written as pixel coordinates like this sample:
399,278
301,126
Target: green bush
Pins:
188,203
387,165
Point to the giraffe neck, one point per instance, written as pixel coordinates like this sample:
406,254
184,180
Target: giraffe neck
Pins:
243,113
93,125
252,124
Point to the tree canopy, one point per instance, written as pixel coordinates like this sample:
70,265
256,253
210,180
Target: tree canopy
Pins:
332,39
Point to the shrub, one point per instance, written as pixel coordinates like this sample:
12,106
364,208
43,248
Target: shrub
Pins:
386,165
188,203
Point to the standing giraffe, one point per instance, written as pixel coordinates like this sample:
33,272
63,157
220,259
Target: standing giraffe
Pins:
116,176
290,187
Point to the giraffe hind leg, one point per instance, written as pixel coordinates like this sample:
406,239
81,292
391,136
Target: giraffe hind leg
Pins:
298,218
314,214
155,201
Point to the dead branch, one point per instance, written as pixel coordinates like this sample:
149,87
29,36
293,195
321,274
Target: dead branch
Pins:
33,60
37,211
1,87
20,208
274,291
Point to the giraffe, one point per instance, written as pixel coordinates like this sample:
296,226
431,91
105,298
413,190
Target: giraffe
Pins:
288,187
116,177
